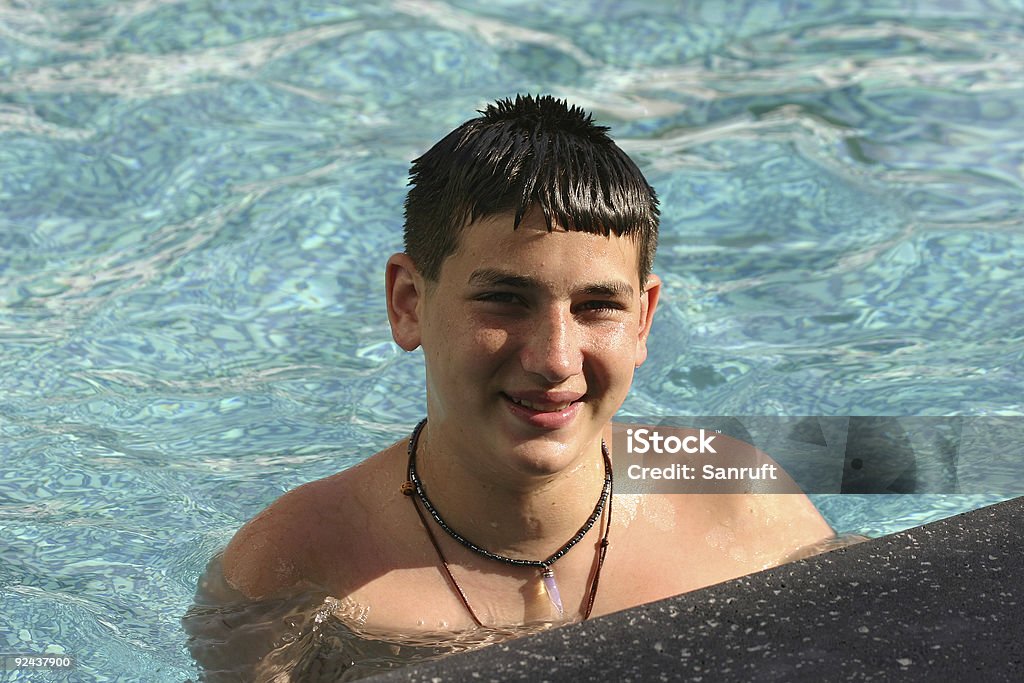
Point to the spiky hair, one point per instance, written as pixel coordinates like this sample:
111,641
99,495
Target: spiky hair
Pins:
518,155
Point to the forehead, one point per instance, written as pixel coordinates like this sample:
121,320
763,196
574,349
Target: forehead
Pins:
492,245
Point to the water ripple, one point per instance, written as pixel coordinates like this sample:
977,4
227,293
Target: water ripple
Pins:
196,200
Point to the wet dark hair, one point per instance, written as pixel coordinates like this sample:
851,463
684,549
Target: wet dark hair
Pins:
533,152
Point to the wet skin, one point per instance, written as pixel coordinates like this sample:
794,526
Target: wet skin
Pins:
530,340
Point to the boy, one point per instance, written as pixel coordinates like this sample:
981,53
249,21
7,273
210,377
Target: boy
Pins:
527,282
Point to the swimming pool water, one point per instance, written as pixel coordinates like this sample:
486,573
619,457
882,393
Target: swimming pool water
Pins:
197,199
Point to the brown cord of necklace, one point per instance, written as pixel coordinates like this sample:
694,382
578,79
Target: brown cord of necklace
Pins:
415,486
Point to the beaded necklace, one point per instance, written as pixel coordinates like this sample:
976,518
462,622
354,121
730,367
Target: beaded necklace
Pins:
547,574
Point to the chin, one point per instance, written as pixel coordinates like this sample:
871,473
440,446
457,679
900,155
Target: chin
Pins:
544,457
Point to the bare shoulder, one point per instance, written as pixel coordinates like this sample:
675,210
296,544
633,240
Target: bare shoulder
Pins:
740,493
286,547
739,511
784,523
268,554
776,525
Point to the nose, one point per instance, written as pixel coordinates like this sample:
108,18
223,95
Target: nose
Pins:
553,346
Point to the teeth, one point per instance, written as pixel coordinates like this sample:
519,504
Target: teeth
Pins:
541,407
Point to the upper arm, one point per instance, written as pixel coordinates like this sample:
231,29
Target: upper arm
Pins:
800,522
255,600
780,518
231,636
270,554
786,524
242,598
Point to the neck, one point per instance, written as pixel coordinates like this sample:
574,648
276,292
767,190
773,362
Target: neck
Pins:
516,515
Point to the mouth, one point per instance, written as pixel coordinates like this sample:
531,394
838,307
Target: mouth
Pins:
544,406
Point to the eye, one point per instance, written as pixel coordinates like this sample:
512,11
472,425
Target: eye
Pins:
499,298
600,306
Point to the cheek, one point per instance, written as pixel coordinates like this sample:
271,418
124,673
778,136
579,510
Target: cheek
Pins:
469,345
614,342
491,341
612,352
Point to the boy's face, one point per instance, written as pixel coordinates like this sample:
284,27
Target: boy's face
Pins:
531,339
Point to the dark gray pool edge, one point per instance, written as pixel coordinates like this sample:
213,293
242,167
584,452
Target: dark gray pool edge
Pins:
941,601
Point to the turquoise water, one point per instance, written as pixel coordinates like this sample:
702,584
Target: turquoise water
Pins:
197,199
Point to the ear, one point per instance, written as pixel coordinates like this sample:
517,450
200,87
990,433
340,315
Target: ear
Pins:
648,304
405,288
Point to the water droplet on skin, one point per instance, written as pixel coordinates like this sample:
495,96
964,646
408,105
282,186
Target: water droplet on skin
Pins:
738,553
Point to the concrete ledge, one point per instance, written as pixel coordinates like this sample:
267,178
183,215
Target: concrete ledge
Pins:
938,602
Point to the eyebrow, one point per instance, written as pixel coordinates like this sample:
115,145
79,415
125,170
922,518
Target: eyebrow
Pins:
490,277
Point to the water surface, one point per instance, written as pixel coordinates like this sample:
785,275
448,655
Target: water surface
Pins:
197,199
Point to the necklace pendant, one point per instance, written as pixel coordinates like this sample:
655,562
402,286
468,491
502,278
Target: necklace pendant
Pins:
551,588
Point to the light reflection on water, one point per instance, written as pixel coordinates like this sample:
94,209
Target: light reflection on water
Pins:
196,200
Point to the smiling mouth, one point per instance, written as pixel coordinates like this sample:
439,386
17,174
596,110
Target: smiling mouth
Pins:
543,407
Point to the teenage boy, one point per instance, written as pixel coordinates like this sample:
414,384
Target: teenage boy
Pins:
527,282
